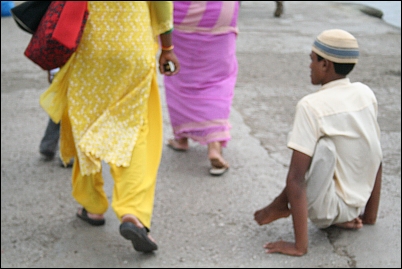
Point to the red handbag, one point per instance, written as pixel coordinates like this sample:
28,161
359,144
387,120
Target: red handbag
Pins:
58,34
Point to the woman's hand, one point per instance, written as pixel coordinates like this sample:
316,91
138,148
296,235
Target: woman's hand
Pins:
165,57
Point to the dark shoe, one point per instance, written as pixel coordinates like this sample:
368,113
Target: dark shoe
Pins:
279,9
47,155
138,236
93,222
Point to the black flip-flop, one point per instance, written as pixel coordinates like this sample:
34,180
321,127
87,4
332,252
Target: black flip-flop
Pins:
138,236
94,222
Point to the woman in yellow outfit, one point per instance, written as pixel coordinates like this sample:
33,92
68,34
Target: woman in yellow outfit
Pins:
107,100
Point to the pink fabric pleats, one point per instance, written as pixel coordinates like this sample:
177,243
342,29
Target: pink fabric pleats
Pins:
199,98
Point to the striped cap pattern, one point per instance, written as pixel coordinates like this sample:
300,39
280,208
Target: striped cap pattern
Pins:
337,45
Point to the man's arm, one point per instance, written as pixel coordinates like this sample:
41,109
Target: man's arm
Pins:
296,194
370,212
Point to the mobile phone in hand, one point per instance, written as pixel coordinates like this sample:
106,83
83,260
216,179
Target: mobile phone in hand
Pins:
168,66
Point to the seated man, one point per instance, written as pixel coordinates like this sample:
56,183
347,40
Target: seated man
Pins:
335,171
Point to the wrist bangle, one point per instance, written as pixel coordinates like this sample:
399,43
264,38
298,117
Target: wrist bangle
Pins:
167,48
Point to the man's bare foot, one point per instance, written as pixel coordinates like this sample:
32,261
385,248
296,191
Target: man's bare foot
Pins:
215,155
354,224
271,213
178,144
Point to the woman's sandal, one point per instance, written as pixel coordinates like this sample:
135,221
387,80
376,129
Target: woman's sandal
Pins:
138,237
218,167
94,222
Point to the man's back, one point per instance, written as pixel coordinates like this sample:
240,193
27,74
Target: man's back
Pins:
347,113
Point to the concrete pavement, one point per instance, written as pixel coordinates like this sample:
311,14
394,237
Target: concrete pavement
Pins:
199,220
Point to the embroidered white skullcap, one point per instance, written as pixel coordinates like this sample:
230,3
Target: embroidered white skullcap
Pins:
337,45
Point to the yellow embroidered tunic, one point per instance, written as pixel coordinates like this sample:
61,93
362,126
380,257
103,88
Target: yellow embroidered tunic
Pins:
101,93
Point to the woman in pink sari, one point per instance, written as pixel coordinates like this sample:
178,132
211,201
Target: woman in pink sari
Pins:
199,98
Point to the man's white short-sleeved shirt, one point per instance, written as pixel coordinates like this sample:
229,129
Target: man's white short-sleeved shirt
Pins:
347,113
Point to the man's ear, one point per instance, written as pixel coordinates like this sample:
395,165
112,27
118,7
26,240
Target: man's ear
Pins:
327,65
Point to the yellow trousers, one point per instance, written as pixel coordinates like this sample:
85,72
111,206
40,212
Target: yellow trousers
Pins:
134,186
